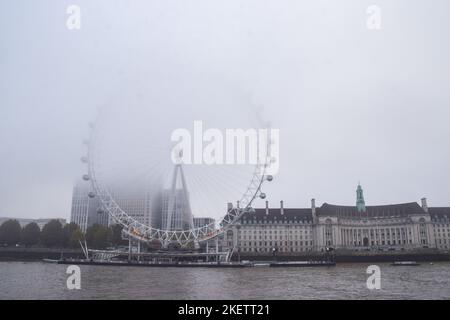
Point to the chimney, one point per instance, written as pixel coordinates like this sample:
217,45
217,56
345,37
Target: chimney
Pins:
424,204
281,207
267,207
237,204
229,206
313,210
313,206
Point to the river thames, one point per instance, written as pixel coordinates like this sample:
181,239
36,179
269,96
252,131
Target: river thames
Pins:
38,280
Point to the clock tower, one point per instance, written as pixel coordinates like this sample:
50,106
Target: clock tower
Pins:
360,203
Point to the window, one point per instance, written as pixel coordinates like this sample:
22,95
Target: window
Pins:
328,232
423,231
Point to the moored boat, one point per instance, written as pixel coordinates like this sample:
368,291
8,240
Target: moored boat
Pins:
405,263
50,260
311,263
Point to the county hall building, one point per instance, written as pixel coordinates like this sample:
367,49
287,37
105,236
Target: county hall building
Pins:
403,226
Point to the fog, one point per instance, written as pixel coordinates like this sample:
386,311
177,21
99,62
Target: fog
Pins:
352,104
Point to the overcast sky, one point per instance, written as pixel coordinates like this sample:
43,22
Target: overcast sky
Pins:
352,104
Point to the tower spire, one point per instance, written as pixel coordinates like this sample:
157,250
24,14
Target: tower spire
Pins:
360,203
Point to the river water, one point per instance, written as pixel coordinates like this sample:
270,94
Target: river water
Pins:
38,280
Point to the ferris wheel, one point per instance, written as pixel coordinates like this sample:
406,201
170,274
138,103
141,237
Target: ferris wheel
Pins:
117,158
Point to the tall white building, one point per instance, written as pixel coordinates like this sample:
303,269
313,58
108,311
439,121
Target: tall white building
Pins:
141,204
178,216
176,210
86,211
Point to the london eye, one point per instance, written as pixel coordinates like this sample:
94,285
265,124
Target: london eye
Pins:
130,150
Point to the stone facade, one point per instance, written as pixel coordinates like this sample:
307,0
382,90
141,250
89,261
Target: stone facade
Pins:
382,228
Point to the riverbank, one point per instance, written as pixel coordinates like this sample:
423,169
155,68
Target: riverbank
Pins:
423,255
342,255
35,253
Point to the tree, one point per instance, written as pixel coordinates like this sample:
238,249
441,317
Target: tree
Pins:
52,234
10,232
75,239
68,240
115,235
30,234
97,236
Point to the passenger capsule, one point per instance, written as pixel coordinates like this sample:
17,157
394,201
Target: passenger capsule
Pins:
262,195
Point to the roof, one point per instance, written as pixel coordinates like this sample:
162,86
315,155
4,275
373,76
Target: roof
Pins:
392,210
305,214
439,213
275,214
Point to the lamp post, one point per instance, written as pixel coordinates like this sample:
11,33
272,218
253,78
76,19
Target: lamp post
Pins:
274,253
